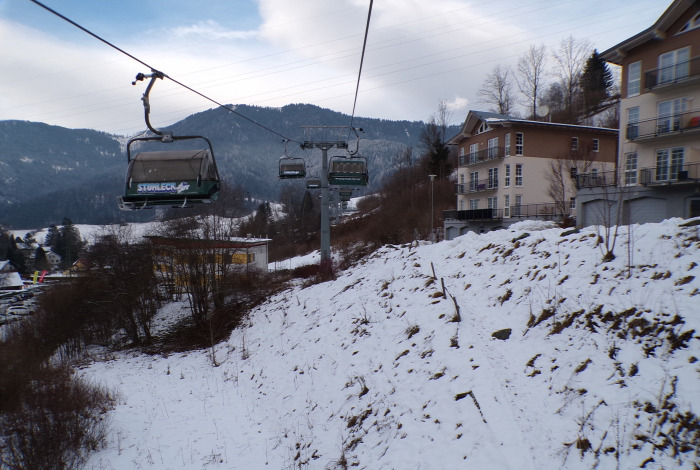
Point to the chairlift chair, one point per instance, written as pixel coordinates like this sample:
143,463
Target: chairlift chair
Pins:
348,171
178,178
313,182
291,168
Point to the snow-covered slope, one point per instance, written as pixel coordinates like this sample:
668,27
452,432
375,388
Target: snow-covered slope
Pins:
394,365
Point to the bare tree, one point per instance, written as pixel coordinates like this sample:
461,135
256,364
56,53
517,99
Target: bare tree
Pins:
560,186
433,141
497,90
530,75
570,59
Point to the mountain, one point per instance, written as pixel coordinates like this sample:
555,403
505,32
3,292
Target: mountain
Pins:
49,172
515,349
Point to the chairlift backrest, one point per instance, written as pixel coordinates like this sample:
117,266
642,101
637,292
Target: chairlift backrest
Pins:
292,168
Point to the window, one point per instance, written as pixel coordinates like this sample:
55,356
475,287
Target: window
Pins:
634,78
506,181
519,174
662,164
676,162
493,148
669,114
507,145
518,143
506,205
574,143
492,203
473,180
674,65
596,145
473,153
461,178
572,205
473,204
518,203
461,204
493,178
631,169
632,123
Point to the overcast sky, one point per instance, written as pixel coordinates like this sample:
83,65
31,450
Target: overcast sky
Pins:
276,52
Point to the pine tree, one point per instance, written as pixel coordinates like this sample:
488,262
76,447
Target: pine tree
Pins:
596,80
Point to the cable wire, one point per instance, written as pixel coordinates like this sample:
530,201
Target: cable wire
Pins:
362,59
153,69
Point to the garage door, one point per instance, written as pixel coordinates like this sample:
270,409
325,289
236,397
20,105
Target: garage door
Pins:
645,210
594,213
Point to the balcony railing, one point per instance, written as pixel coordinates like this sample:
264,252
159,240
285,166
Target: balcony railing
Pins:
670,174
596,180
474,214
493,153
475,186
664,126
544,211
672,74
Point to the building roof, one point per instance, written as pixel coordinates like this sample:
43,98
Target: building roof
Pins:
494,119
656,31
229,243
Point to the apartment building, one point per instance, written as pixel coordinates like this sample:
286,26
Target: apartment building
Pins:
511,169
659,140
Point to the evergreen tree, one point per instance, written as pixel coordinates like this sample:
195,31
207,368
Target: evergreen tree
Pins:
596,80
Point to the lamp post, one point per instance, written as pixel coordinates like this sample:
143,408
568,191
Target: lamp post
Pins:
432,233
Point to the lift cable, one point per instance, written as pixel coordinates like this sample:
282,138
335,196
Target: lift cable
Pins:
229,108
362,58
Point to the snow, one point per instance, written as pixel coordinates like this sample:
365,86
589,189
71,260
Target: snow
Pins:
370,370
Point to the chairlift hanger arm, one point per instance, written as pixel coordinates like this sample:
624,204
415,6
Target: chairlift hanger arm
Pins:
357,141
166,136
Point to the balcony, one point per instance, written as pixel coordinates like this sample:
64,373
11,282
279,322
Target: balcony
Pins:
670,174
673,76
476,186
493,153
544,211
474,214
596,180
666,126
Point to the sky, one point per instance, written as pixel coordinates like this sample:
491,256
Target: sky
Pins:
372,367
277,52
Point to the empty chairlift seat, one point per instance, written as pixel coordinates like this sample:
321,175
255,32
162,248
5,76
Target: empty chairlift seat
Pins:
177,178
292,168
350,171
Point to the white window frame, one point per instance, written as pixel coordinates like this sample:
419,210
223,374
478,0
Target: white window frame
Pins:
506,180
506,205
632,122
634,78
473,153
674,65
574,143
596,145
519,143
492,182
492,148
631,161
506,145
473,204
519,174
473,180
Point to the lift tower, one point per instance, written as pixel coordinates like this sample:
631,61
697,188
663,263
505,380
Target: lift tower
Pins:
324,144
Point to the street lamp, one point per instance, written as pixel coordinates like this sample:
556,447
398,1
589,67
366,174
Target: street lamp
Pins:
432,234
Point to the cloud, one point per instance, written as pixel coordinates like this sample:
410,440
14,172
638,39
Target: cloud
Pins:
211,30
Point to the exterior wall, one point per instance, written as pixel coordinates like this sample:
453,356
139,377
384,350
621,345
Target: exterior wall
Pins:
543,145
655,190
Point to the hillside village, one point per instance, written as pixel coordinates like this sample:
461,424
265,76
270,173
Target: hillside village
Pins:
522,295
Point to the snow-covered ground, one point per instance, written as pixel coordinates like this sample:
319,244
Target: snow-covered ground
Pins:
393,364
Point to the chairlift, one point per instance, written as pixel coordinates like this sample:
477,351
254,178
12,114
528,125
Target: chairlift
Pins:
177,178
348,171
292,167
345,194
313,182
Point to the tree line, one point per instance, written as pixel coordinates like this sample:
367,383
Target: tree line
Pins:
581,85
